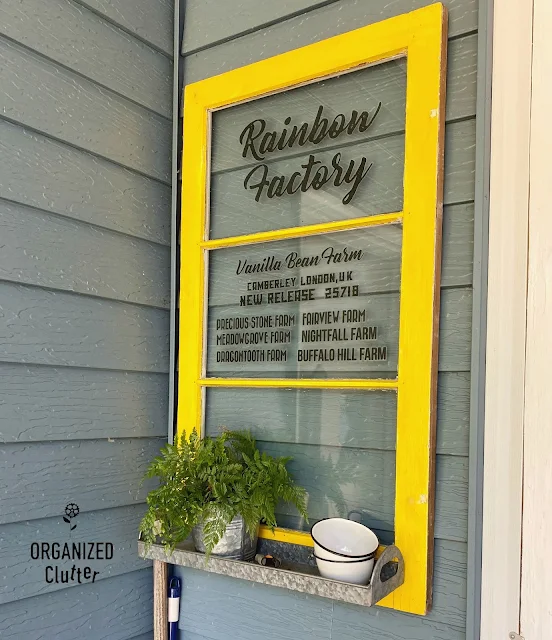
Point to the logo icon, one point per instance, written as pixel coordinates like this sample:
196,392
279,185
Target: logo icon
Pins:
71,511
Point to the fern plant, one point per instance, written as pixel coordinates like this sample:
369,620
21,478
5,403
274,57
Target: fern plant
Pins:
213,480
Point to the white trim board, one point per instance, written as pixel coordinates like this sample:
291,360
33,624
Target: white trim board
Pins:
506,318
536,585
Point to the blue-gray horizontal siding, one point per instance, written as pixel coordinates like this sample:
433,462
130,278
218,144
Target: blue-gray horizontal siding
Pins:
93,47
56,252
66,403
200,30
37,480
85,197
63,329
216,608
48,98
118,608
319,19
44,173
313,26
149,21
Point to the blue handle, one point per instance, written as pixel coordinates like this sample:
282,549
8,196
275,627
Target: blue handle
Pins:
173,630
173,608
174,588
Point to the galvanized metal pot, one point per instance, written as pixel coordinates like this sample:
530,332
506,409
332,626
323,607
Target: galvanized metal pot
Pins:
236,543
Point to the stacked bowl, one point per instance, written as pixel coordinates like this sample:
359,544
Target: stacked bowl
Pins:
344,550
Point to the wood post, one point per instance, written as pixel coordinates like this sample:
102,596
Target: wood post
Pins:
160,588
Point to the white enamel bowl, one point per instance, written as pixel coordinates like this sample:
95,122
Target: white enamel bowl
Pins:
354,572
343,540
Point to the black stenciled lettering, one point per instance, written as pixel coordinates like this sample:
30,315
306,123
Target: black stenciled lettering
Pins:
320,178
331,256
248,136
268,143
282,140
316,355
347,354
314,175
319,127
251,300
308,167
353,315
363,121
378,354
356,177
263,182
338,126
338,170
277,187
270,263
291,188
299,135
294,260
257,142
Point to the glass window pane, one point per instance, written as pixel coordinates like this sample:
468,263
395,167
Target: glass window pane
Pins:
326,151
342,443
324,306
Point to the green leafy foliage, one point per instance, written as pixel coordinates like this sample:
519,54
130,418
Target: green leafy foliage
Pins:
212,480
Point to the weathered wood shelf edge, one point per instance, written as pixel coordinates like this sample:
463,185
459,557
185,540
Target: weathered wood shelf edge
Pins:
294,578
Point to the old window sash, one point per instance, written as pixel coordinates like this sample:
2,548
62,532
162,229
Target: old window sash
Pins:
421,37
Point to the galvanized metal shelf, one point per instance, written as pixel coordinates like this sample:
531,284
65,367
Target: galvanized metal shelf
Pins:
387,576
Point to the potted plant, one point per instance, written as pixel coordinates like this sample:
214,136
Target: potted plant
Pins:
218,489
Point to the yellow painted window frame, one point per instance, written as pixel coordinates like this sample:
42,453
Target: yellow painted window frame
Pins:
421,37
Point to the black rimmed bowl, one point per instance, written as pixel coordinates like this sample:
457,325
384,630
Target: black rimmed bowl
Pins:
343,540
344,550
347,570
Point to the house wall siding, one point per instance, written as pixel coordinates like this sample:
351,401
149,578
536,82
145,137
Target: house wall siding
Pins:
85,220
215,607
